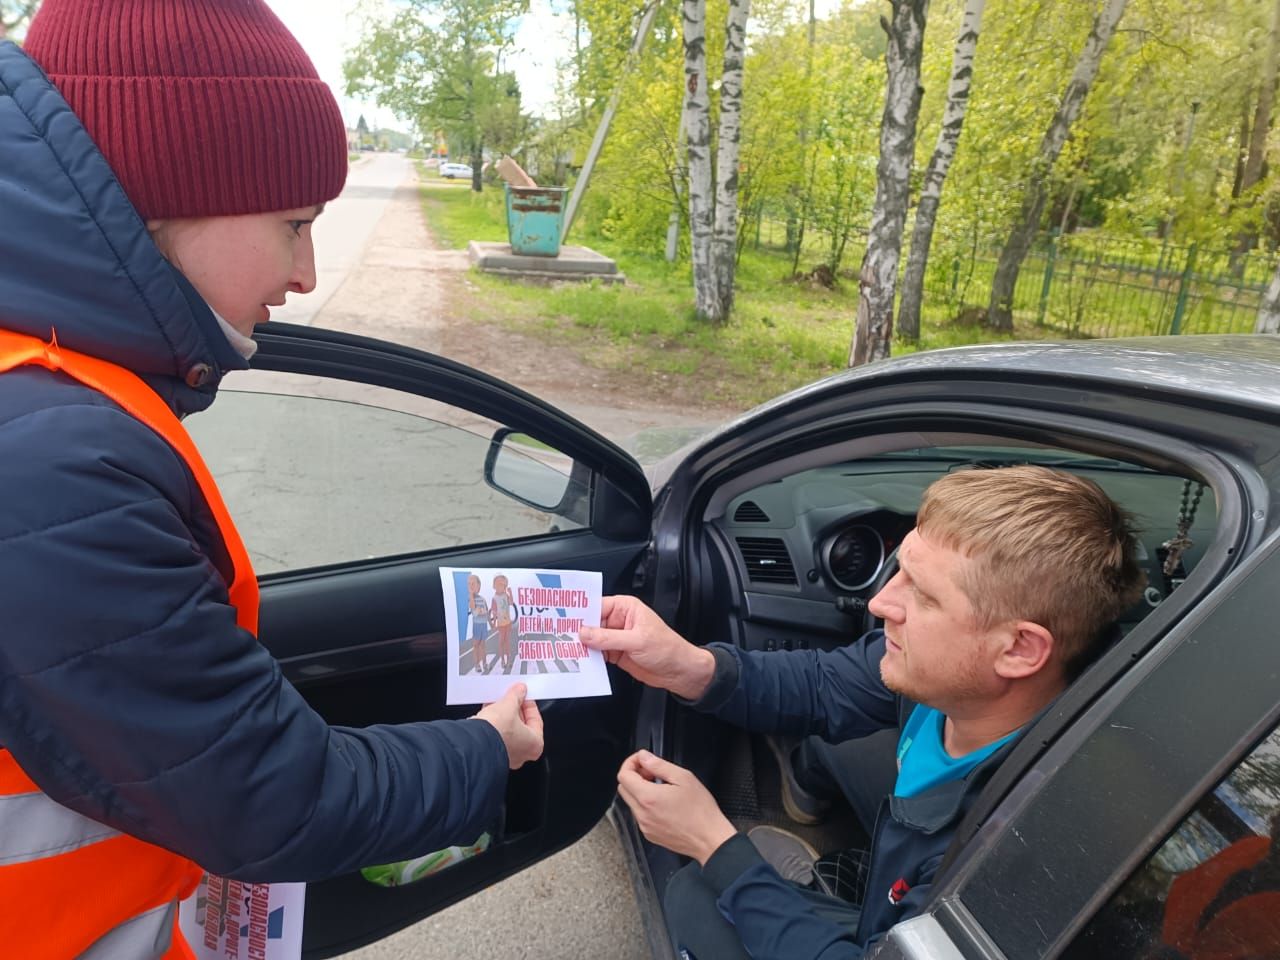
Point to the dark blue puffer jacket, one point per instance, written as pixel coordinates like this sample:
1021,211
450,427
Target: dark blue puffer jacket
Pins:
127,692
837,695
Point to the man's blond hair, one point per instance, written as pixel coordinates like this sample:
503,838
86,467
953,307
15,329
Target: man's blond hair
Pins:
1046,546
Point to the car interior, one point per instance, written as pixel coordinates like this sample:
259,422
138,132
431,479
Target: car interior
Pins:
791,552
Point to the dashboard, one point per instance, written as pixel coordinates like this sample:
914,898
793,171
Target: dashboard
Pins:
803,554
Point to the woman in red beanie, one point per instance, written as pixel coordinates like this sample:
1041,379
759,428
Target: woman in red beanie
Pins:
163,161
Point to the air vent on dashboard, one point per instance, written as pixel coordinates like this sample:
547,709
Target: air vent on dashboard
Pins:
750,512
767,560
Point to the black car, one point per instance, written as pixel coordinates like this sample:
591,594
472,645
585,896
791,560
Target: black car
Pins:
357,468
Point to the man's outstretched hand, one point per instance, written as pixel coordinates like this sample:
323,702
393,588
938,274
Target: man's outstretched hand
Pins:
672,808
518,722
636,639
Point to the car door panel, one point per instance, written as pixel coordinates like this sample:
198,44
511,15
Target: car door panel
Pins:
384,661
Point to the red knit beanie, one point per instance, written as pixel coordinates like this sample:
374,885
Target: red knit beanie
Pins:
201,107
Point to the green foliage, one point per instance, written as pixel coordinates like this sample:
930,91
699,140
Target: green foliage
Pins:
15,15
388,139
435,64
1152,159
633,190
840,166
1130,167
459,216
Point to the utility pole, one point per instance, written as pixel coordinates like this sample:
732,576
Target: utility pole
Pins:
602,131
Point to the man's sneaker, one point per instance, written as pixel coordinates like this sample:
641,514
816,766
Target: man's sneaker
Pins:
786,853
801,805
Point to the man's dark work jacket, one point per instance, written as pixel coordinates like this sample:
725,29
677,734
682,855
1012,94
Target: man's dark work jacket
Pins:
127,692
838,696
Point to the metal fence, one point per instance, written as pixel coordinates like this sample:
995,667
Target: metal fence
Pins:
1080,285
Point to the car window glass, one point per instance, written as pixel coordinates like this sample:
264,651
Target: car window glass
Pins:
1212,889
317,471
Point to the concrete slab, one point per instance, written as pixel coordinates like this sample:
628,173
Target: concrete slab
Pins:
573,263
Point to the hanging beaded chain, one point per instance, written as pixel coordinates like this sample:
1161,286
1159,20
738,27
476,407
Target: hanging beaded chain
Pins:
1180,542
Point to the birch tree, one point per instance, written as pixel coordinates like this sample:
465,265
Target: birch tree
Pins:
713,201
943,153
725,232
1000,311
877,282
697,133
1269,309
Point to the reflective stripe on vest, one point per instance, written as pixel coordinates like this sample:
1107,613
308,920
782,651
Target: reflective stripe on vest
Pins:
70,887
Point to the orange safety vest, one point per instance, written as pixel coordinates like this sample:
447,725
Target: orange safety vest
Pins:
71,887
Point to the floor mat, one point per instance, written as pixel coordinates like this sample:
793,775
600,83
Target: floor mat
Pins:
749,790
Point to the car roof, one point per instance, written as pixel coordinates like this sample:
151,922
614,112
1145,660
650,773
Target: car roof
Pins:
1241,370
1230,367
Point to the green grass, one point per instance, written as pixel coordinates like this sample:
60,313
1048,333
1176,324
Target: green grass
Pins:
782,333
457,214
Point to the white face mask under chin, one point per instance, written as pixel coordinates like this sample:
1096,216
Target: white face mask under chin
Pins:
239,342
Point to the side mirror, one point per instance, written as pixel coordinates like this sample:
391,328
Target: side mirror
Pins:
517,465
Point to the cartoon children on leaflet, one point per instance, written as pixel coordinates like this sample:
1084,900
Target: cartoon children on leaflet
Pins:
479,610
502,613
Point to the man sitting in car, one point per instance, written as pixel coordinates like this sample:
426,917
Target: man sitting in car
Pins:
1004,591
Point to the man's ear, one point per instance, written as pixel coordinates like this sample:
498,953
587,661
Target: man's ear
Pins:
1027,649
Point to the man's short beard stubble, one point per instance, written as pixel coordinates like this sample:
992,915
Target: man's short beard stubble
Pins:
968,688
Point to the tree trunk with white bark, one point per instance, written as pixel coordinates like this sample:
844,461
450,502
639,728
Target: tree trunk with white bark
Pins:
725,232
697,133
936,173
877,282
1000,310
1269,309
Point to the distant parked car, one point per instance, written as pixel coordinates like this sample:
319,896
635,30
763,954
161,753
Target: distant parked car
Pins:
451,170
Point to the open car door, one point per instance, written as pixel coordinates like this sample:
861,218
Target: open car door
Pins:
355,469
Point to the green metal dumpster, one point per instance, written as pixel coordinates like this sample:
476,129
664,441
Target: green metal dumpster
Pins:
535,216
